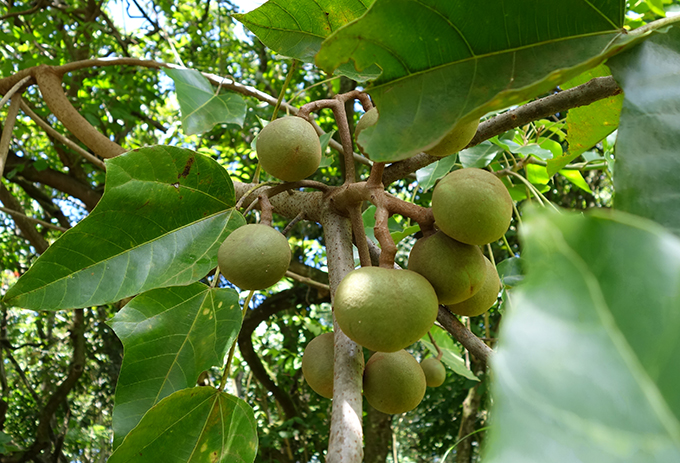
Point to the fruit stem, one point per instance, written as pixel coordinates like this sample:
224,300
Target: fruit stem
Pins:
291,70
382,233
439,351
267,212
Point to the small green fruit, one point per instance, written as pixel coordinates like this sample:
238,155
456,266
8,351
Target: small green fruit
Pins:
254,256
457,139
317,364
289,149
455,270
394,382
384,309
369,118
434,370
472,206
485,297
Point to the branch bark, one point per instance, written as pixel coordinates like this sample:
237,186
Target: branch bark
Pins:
20,219
467,338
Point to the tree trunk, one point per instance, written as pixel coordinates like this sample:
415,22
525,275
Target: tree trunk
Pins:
467,423
377,435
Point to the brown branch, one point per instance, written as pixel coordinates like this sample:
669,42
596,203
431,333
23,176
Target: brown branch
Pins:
55,179
6,136
49,82
594,90
38,4
14,213
53,133
467,338
27,228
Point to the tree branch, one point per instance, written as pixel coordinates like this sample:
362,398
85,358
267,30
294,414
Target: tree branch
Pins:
594,90
467,338
27,229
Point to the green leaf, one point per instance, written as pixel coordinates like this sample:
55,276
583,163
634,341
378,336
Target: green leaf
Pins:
511,271
428,175
194,425
575,177
296,28
586,369
368,217
479,156
451,357
445,62
170,336
647,162
201,107
587,125
164,213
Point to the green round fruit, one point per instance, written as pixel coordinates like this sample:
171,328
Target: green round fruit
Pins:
317,364
454,141
394,382
472,206
485,297
254,256
434,370
369,118
455,270
383,309
289,149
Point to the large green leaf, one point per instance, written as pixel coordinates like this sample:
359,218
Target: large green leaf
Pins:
194,425
170,336
447,61
201,107
164,213
296,28
647,148
587,366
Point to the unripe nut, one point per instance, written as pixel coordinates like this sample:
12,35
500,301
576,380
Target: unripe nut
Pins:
317,364
289,149
472,206
434,370
384,309
394,382
254,256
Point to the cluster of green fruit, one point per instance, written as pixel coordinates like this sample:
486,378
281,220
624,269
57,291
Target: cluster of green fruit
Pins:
394,382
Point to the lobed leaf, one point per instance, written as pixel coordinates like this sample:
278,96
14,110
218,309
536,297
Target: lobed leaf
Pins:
164,213
194,425
201,107
586,369
170,336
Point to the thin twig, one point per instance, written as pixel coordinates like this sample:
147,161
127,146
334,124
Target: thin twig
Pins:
13,90
307,281
31,219
53,133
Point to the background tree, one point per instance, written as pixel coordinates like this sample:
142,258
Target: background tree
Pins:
60,368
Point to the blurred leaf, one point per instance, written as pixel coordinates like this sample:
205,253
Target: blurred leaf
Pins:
408,231
170,336
587,125
325,140
428,175
575,177
647,163
536,151
537,175
369,222
451,357
164,213
511,271
445,62
201,108
194,425
296,28
586,369
479,156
